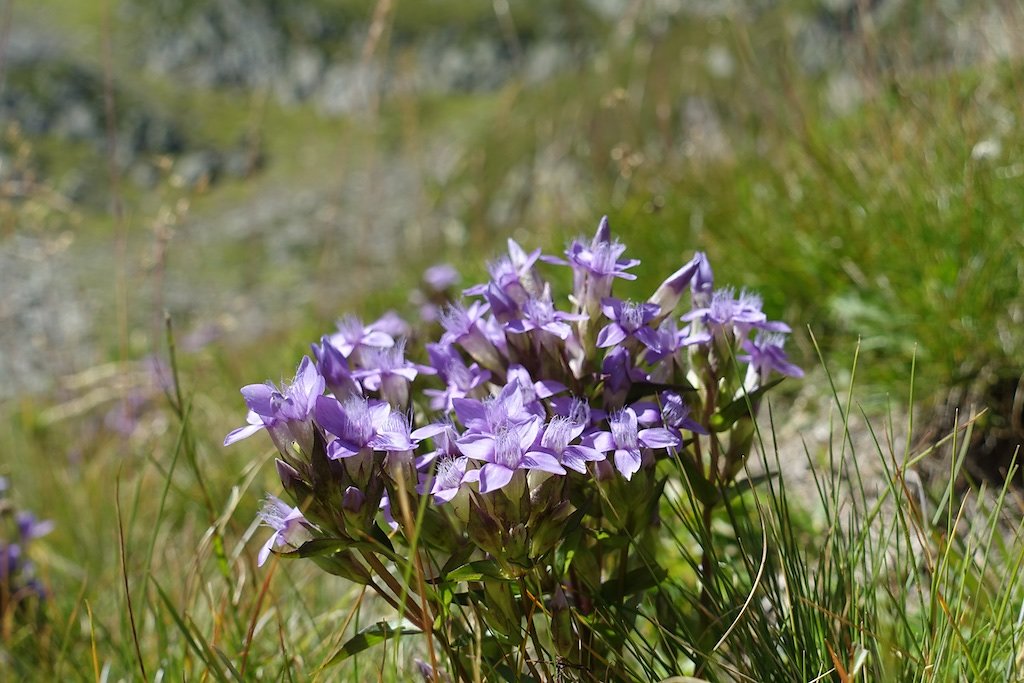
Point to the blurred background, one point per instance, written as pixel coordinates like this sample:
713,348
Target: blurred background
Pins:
257,168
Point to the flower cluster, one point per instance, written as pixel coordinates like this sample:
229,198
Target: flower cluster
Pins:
18,583
528,418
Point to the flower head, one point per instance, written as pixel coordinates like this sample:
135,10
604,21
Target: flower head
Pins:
360,426
625,439
505,452
290,527
765,355
628,319
269,405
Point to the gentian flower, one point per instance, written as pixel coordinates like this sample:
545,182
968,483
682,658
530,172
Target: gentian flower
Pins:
540,314
448,478
726,313
290,527
465,327
386,370
671,290
352,337
556,441
291,406
494,414
30,528
765,354
676,415
533,392
441,277
629,319
619,375
461,380
512,282
626,438
703,282
595,266
361,426
335,370
505,452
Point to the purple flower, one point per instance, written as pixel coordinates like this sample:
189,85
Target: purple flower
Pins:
671,290
629,319
765,354
466,327
619,374
387,371
441,277
556,441
727,313
625,439
461,380
444,435
290,527
269,406
448,478
391,324
676,415
540,314
533,392
595,266
505,452
352,336
494,414
30,528
361,426
335,370
703,281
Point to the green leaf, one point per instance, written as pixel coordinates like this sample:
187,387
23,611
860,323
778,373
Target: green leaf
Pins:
705,492
318,548
370,636
727,416
458,559
635,581
477,571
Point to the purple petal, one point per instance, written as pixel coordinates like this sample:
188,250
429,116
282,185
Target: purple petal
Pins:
627,463
559,329
329,414
379,339
648,337
265,550
658,437
258,398
547,388
611,335
601,441
429,430
477,446
494,477
241,433
647,412
470,412
536,460
528,433
340,448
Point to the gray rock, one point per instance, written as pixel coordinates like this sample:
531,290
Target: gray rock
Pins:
144,175
196,170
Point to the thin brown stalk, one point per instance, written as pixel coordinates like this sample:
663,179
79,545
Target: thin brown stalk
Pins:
403,604
418,566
